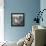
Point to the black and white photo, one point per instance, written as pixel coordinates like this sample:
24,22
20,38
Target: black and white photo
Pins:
17,19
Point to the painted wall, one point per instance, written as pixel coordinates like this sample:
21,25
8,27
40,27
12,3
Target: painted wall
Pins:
29,7
1,20
43,6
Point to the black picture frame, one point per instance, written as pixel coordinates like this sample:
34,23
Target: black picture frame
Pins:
17,19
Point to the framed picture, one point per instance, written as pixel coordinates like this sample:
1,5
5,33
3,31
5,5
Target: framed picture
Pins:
17,19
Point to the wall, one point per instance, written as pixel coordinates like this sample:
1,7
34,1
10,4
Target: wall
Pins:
29,7
1,20
43,6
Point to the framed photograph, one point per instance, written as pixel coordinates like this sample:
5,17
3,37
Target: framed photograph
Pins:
17,19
